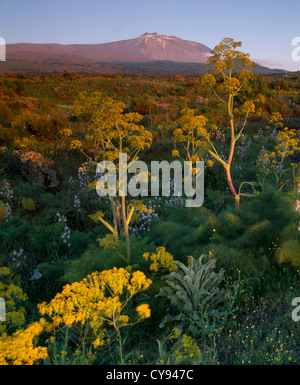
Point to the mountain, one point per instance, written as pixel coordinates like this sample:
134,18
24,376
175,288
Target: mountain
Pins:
150,53
145,48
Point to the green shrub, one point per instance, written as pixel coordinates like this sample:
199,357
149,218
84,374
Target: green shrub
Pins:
194,290
289,252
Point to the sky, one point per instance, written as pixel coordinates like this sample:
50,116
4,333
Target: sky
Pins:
266,28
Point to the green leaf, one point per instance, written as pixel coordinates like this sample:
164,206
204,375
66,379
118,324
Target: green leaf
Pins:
28,204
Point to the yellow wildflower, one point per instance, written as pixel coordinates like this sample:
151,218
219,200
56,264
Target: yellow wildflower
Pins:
160,259
210,163
76,144
143,311
19,349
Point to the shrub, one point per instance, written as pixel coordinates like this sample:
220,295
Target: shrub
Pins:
194,290
88,307
20,349
14,301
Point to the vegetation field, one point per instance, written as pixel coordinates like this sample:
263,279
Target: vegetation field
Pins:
90,280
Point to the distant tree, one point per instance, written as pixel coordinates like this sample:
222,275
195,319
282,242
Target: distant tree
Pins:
234,68
113,132
145,104
193,138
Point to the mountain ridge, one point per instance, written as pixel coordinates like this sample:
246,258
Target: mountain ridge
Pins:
147,47
129,56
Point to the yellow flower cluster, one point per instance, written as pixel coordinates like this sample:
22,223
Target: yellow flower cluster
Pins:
188,348
161,258
287,142
276,120
14,296
138,283
98,342
174,334
25,143
24,119
100,298
95,302
76,144
114,130
175,153
66,132
19,349
143,311
248,108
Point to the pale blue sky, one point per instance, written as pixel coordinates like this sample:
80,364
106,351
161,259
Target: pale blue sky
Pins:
265,27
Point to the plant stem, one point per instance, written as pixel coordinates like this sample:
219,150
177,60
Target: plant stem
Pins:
126,228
